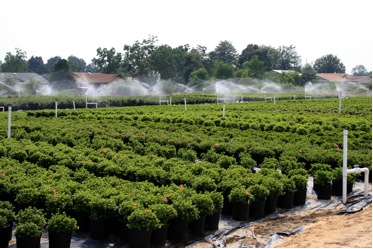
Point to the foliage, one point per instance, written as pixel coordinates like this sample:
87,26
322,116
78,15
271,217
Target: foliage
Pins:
143,219
300,181
164,212
329,64
7,216
15,63
61,223
323,177
32,215
241,195
27,230
204,203
186,210
274,186
259,191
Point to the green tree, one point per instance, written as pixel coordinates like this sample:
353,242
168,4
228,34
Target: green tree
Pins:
288,58
266,54
15,63
360,70
51,62
195,59
308,74
329,64
107,61
32,86
224,70
254,68
36,64
76,64
62,76
165,60
137,58
198,76
225,52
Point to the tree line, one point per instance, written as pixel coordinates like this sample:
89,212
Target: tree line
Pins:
184,64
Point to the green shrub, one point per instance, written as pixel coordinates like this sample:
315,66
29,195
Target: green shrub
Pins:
61,223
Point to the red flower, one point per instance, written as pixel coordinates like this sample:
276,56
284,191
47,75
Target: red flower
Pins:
181,186
56,198
216,145
247,193
116,158
143,134
54,191
3,175
165,198
105,151
125,154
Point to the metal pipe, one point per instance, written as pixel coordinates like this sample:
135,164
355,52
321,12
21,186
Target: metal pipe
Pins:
355,170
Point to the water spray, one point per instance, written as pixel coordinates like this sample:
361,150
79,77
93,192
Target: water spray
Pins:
340,102
185,107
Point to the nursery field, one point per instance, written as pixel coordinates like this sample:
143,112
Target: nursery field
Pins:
146,167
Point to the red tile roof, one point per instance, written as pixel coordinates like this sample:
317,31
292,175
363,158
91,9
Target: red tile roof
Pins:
96,78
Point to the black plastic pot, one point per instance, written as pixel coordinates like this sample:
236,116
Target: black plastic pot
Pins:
257,209
159,236
197,227
227,206
212,221
300,197
99,229
337,187
28,242
271,205
139,238
4,236
178,230
286,200
324,192
240,211
59,240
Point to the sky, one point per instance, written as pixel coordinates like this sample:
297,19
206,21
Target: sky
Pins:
77,27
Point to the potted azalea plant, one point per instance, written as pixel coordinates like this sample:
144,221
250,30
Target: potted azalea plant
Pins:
260,193
141,222
275,188
30,223
286,200
7,216
241,199
165,213
205,207
324,178
212,221
300,189
60,228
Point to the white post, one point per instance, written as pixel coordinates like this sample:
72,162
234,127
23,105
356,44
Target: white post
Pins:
274,99
294,96
74,104
86,102
170,100
9,120
56,108
185,107
223,110
344,170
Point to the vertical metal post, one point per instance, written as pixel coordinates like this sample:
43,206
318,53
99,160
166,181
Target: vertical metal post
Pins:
9,120
185,107
74,104
223,110
56,108
274,99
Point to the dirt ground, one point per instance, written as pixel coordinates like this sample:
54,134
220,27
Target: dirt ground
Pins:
335,231
304,227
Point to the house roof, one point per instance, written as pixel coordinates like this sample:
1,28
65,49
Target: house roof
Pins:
96,78
23,77
343,77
